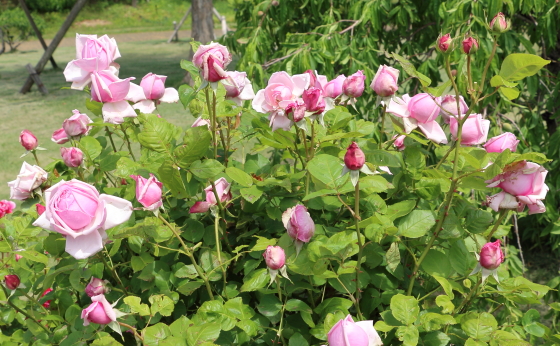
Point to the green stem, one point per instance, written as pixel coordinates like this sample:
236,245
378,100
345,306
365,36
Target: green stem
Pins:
469,76
114,273
128,143
382,134
501,217
31,298
188,252
108,132
132,329
218,244
281,312
35,156
212,122
21,311
214,102
487,66
468,297
360,247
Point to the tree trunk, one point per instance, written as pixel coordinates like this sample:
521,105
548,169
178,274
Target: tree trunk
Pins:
134,3
202,26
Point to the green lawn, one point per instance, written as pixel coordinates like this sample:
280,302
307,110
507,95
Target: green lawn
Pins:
44,114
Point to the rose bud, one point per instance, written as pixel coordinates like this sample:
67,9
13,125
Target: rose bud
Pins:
18,257
385,81
299,225
296,111
444,42
148,192
491,255
333,88
73,157
96,287
353,86
498,144
399,142
274,257
475,129
449,107
100,311
499,24
346,332
28,140
153,86
12,281
47,304
354,158
313,100
59,136
6,207
211,60
201,122
222,190
40,208
77,124
469,45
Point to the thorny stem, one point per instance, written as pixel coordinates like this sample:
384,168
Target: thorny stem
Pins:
212,122
360,246
21,311
214,103
35,156
469,75
487,66
128,143
31,298
108,132
382,134
469,296
279,333
501,217
218,244
132,329
188,252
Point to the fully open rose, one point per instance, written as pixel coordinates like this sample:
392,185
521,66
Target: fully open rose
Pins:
77,211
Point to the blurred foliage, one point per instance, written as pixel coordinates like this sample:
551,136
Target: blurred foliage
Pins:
16,27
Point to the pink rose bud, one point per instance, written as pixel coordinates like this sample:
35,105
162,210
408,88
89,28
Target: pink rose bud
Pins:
18,257
475,129
385,81
99,312
96,287
47,304
77,124
223,192
148,192
313,100
333,88
399,142
449,107
499,23
444,42
354,158
59,136
73,157
424,107
28,140
346,332
491,255
296,110
211,60
153,86
469,45
12,281
312,77
298,223
40,208
353,86
201,122
274,257
6,207
506,140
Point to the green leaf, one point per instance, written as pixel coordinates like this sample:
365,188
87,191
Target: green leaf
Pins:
433,321
162,304
269,305
374,184
393,257
189,287
437,263
239,176
157,134
297,305
186,94
195,145
91,147
94,106
411,70
416,224
327,169
445,303
34,256
136,306
320,193
408,335
255,280
170,176
251,194
405,308
436,339
478,326
445,285
106,340
240,310
249,327
333,305
297,340
509,93
477,221
520,65
179,326
402,208
190,67
497,81
207,169
156,334
381,158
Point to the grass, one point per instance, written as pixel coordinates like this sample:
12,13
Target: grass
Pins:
44,114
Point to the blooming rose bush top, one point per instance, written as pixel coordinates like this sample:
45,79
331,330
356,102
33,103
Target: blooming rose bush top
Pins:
155,92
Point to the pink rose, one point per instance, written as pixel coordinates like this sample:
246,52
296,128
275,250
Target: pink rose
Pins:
40,208
212,59
449,107
498,144
92,55
201,122
12,281
28,140
222,190
77,211
72,157
353,86
469,45
115,93
77,125
333,88
296,111
524,181
59,136
29,178
475,129
96,287
238,87
99,312
298,223
6,207
399,142
354,159
148,192
274,257
444,42
313,100
154,92
491,255
47,304
385,81
346,332
424,107
282,90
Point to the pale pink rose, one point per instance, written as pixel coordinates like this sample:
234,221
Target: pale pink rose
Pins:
212,59
92,55
115,93
96,287
353,86
298,223
77,211
6,207
222,190
59,136
282,91
399,142
154,92
201,122
498,144
524,181
99,312
274,257
491,255
385,81
238,87
333,88
29,178
148,192
28,140
424,107
72,157
475,129
449,107
77,125
346,332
